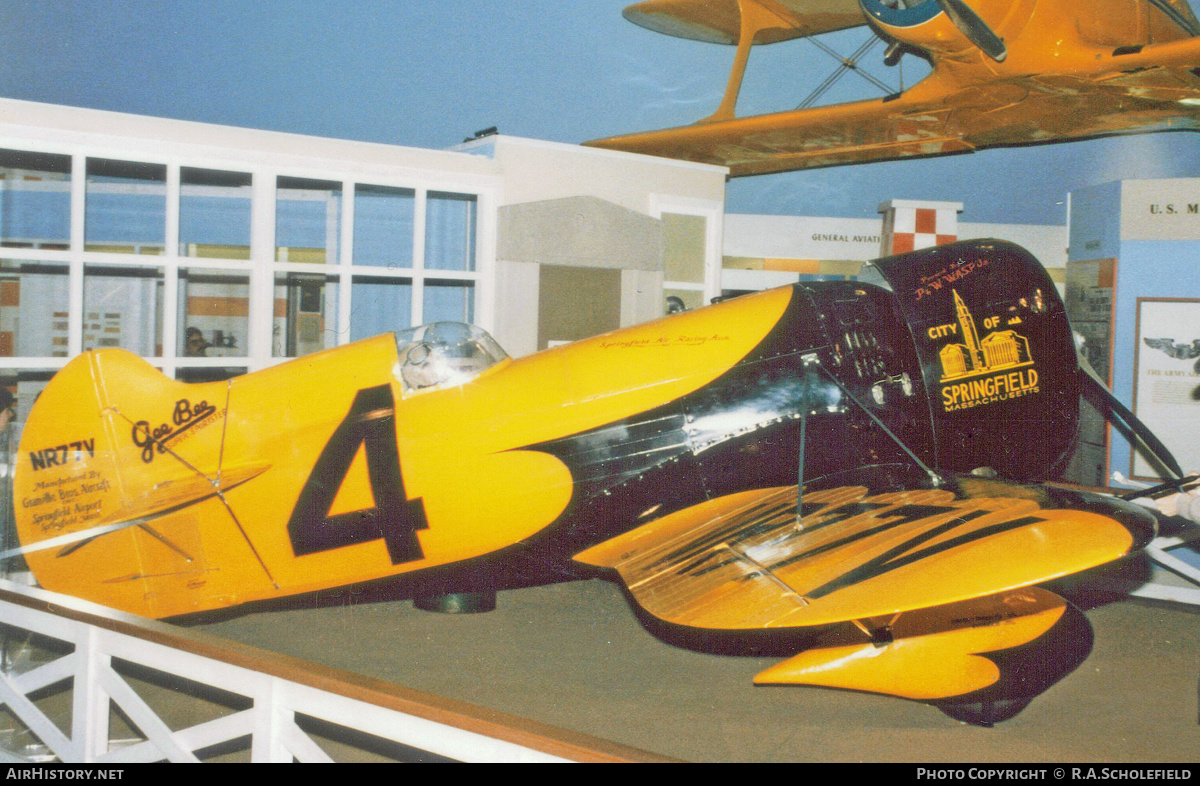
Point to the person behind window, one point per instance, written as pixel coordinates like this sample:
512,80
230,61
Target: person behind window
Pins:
7,407
195,346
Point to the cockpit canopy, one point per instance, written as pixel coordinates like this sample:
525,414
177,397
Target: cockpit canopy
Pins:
444,353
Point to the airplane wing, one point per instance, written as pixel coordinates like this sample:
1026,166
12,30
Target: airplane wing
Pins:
937,117
878,543
917,123
1041,92
720,21
946,568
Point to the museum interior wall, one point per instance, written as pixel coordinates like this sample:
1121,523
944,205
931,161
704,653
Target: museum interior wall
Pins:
212,251
600,267
762,251
568,214
1130,293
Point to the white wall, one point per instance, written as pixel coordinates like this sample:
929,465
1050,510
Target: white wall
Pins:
814,237
536,171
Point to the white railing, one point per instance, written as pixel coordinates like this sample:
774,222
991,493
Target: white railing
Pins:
1185,588
275,697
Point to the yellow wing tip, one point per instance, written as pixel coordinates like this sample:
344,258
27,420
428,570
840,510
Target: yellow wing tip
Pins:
931,654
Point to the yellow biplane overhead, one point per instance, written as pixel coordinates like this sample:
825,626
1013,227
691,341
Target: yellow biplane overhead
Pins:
839,467
1005,72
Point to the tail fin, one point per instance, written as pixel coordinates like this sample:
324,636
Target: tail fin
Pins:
112,453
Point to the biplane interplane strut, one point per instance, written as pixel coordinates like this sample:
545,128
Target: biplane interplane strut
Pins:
1003,73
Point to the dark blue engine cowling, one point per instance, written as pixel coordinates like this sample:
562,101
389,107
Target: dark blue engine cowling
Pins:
996,353
962,352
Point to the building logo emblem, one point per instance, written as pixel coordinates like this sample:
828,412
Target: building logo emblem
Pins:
977,371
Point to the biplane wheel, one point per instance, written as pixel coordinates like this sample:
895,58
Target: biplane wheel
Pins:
984,713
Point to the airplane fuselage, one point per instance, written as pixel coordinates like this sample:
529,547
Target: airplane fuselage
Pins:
1040,37
344,466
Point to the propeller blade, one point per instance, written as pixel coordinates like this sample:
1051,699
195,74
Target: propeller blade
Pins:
974,28
893,54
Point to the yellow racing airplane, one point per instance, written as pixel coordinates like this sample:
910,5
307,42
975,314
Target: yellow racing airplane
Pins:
851,469
1005,72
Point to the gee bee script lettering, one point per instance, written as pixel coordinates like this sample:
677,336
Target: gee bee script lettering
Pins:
184,416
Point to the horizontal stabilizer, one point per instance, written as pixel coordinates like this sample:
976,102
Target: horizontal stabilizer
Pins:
171,495
120,482
165,498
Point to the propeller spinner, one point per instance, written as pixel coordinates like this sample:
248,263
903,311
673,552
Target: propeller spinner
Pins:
905,23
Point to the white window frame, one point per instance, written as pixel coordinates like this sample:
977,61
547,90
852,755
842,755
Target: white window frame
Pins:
261,268
713,212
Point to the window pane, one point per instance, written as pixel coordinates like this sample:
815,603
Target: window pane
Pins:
122,307
209,373
25,385
35,200
379,305
383,226
33,309
683,252
126,207
214,313
449,301
450,231
677,300
305,314
214,214
308,215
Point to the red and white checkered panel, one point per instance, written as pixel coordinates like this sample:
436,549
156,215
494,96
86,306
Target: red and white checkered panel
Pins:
920,227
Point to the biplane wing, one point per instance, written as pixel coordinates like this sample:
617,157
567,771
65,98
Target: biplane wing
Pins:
720,21
919,569
914,124
1041,76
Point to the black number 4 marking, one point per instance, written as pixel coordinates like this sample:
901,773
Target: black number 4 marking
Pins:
394,519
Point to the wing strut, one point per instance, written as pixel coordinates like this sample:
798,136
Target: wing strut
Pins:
933,476
800,471
755,17
846,64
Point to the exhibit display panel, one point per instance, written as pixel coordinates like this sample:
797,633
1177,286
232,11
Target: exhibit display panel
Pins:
1128,293
1166,392
307,220
305,314
450,232
126,206
449,301
218,300
33,309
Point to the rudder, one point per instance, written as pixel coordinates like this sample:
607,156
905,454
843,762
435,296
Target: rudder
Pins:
92,471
